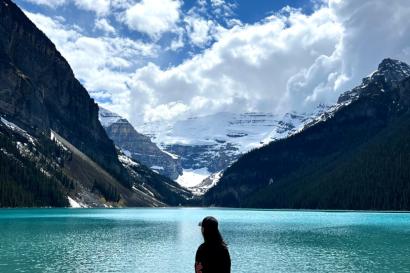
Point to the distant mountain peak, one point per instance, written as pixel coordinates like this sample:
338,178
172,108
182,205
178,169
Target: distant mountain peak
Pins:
107,117
388,73
393,70
138,146
389,63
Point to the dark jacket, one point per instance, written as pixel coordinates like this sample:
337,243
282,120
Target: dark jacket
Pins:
212,259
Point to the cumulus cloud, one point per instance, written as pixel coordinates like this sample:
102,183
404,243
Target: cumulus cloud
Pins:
153,17
100,7
288,62
366,39
102,63
247,69
223,8
198,30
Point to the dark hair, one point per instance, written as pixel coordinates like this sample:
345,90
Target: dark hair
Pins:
211,232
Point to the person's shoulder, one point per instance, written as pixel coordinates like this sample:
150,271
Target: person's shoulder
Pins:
201,247
200,252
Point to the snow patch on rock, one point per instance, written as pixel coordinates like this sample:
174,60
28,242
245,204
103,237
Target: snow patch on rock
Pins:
18,130
125,160
75,204
191,178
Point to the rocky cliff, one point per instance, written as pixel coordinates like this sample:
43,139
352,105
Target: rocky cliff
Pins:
38,89
138,146
52,121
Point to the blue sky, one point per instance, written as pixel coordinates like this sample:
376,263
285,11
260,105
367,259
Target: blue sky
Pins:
247,12
171,59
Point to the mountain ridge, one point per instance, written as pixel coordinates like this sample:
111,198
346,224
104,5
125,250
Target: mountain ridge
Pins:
51,133
313,168
206,145
138,146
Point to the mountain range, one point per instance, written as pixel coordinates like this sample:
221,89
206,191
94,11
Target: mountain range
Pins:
194,151
58,148
355,157
206,145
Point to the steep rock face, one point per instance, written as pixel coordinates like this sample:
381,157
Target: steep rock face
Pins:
54,149
389,73
355,158
38,90
138,146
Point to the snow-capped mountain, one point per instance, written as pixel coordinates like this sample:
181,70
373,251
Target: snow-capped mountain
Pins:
389,71
138,146
107,117
209,144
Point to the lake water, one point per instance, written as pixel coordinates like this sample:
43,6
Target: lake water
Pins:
165,240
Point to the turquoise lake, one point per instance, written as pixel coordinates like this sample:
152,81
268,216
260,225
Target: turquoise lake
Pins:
165,240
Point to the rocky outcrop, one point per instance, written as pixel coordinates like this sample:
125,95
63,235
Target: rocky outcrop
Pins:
389,72
138,146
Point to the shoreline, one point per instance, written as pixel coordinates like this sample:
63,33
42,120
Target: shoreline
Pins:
212,208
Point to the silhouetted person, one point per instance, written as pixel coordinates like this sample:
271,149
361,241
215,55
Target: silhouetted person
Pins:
213,255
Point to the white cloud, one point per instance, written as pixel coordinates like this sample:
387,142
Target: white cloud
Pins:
288,62
217,3
153,17
100,7
198,30
223,8
102,63
246,69
49,3
366,39
177,43
104,25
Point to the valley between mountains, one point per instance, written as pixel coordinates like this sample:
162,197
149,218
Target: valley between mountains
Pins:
58,148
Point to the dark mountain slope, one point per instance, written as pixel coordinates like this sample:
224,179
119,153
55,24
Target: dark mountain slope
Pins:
355,159
38,90
60,148
22,183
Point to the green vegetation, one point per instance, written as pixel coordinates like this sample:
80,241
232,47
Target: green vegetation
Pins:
374,176
22,184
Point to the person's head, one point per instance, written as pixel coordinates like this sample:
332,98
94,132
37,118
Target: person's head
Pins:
210,231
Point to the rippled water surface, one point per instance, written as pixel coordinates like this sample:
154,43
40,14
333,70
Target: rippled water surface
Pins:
165,240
